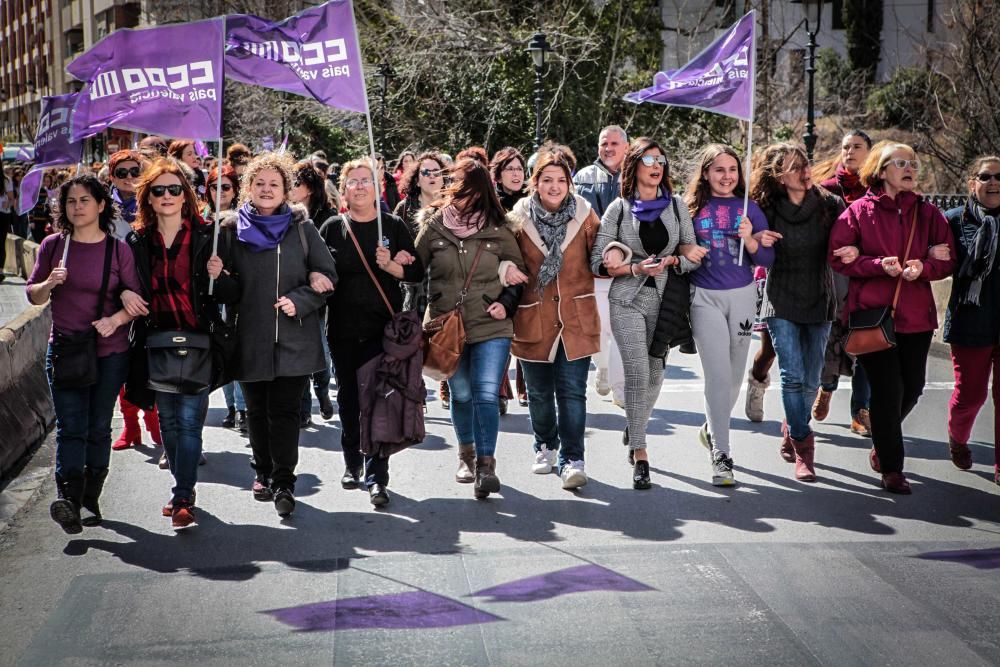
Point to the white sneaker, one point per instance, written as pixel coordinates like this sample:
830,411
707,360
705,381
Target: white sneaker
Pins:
755,399
603,385
573,475
545,460
722,470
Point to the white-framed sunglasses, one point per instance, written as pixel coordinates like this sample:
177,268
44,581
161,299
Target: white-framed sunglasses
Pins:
650,160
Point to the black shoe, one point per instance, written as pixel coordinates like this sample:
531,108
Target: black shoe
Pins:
352,478
66,509
631,452
241,422
503,406
378,495
230,420
262,490
93,484
305,421
284,502
325,407
640,476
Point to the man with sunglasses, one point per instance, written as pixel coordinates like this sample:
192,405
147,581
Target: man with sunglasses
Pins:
125,168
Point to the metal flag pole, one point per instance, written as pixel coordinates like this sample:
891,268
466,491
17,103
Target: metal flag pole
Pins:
376,177
749,153
218,172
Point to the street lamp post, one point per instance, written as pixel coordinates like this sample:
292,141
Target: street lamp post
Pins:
383,74
813,10
537,48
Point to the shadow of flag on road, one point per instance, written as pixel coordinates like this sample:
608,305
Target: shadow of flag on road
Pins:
413,610
981,559
578,579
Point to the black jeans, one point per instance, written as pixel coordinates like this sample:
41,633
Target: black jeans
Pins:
897,377
348,356
273,422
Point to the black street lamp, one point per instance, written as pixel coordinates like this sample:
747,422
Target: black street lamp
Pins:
384,74
813,10
537,48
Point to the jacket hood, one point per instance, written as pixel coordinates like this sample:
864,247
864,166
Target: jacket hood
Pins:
228,218
903,200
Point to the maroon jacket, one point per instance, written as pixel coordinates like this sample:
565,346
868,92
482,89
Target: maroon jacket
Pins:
845,184
879,226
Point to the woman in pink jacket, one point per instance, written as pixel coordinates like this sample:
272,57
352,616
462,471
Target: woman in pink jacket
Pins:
868,244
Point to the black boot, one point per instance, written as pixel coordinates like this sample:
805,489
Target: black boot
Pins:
229,421
65,510
93,484
241,422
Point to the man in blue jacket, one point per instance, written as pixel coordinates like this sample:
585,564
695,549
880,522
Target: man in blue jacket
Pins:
598,182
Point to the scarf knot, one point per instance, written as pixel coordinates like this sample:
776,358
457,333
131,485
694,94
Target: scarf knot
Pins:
982,251
262,232
551,226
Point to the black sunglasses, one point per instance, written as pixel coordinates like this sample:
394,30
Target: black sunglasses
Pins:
985,178
159,190
123,172
226,187
430,172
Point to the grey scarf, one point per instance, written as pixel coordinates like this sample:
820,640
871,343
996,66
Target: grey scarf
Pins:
982,249
552,228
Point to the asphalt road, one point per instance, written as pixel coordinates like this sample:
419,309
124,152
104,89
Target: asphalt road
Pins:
771,572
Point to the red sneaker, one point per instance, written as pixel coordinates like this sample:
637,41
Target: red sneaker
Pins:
168,509
183,515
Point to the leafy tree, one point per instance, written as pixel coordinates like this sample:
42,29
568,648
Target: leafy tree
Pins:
863,29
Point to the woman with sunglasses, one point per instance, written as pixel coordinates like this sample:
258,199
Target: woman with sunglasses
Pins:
359,314
869,245
420,186
309,190
972,324
283,269
173,246
644,233
70,272
468,222
799,301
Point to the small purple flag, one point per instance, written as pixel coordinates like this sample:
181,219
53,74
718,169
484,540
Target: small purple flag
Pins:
720,79
24,154
200,149
163,80
53,147
313,53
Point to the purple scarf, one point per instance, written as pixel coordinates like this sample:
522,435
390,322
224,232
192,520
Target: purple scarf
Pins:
650,210
262,232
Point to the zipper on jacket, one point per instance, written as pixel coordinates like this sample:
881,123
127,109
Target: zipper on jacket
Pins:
277,295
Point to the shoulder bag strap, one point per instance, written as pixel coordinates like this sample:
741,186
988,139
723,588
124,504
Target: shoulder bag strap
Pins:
906,255
371,274
105,276
302,239
468,278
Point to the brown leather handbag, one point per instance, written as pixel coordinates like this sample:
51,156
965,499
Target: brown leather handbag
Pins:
873,329
444,336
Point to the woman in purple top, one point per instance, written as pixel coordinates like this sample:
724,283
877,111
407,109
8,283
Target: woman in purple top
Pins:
724,298
70,271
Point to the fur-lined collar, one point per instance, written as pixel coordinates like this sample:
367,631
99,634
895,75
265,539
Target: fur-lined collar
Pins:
300,215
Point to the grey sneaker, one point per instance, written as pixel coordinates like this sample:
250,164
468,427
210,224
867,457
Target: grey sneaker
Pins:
705,438
722,470
545,460
573,475
755,398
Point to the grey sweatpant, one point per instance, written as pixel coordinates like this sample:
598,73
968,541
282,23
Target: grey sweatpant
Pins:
633,326
722,323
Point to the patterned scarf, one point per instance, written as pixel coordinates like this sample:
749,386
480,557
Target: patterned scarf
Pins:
551,227
982,251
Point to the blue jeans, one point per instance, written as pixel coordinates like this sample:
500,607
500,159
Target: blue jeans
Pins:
234,396
83,417
801,349
475,394
182,417
561,382
861,391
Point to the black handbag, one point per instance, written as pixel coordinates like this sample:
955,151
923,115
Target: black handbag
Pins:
74,356
180,362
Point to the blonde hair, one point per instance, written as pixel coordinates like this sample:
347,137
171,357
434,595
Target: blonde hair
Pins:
351,165
871,171
282,164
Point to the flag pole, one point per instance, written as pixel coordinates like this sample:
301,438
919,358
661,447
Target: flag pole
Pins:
376,177
218,171
753,109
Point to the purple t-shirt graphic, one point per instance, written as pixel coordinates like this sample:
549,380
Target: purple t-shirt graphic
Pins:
716,225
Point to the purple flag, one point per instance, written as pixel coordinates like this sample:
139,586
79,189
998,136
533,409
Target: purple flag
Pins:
200,149
720,79
313,53
52,146
163,80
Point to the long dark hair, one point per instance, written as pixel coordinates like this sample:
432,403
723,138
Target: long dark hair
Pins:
105,219
409,184
631,163
472,192
306,174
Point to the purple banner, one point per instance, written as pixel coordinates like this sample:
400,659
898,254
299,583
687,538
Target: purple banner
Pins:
313,53
164,80
53,147
719,79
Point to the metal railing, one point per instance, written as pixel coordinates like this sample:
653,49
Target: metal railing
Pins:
947,201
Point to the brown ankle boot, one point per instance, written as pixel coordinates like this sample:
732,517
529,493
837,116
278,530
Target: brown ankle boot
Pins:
787,449
961,455
821,406
487,481
466,464
805,451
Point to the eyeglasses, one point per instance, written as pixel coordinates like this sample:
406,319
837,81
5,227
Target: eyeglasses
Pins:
359,182
986,178
123,172
226,187
514,169
900,163
158,191
650,160
430,173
